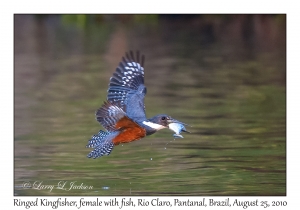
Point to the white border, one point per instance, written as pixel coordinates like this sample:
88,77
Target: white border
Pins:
8,8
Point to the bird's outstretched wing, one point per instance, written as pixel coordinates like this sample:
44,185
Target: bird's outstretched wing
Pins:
126,86
109,114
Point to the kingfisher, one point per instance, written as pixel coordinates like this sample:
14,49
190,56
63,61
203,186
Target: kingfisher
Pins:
123,113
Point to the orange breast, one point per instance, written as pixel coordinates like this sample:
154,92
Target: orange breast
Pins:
129,131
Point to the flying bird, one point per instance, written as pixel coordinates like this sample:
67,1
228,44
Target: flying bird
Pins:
123,114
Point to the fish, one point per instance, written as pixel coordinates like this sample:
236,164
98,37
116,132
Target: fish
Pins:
178,127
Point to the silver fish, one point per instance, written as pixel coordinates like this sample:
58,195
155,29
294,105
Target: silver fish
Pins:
178,127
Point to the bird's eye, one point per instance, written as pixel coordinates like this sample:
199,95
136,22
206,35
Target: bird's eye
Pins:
163,118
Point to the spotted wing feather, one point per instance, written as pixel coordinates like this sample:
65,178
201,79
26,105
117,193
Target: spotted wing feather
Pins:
109,114
126,86
102,142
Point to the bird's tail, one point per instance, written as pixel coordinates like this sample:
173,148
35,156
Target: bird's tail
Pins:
102,142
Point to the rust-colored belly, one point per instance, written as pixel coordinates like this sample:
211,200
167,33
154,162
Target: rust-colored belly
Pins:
129,131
